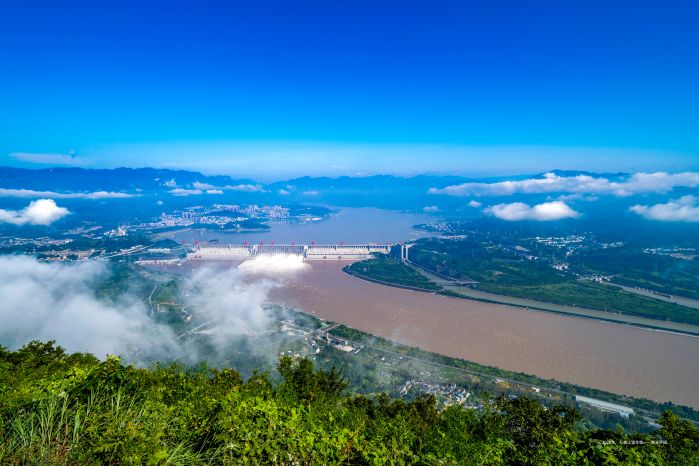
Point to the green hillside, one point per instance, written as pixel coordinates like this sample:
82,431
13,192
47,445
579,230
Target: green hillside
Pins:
59,408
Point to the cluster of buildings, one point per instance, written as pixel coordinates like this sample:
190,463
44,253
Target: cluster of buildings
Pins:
677,253
9,242
597,278
451,393
116,232
217,214
255,211
560,241
213,215
338,343
615,244
446,228
66,255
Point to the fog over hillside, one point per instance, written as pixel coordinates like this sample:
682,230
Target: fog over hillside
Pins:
57,301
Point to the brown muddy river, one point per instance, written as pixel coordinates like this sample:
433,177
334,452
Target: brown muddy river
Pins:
657,365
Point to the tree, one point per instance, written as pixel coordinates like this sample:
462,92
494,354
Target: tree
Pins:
303,383
682,439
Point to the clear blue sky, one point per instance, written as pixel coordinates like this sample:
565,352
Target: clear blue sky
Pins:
351,87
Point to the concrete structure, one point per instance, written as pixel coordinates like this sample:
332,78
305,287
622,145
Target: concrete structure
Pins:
308,252
404,249
605,406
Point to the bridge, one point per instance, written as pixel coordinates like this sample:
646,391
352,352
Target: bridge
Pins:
307,251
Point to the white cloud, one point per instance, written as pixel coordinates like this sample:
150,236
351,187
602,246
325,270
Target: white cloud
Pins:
30,193
57,301
225,294
311,193
195,192
546,211
284,192
474,204
431,209
658,182
185,192
198,185
171,183
159,202
50,159
575,197
39,212
684,209
250,188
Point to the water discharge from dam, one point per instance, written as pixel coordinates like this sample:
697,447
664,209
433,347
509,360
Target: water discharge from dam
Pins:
273,264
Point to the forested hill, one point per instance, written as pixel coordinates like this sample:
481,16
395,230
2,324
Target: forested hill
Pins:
59,408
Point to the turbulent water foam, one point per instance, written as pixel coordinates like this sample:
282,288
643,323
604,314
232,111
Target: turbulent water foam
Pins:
273,264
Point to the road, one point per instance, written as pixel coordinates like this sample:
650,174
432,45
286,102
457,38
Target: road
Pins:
471,293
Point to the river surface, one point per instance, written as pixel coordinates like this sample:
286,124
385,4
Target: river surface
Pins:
658,365
350,226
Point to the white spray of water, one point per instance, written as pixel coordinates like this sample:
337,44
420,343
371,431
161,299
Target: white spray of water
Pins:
230,303
273,264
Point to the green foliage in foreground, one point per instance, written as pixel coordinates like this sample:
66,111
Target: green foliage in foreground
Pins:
57,408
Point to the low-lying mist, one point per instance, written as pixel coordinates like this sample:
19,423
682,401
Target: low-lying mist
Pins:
57,301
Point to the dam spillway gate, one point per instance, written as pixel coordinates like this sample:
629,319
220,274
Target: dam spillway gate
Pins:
307,251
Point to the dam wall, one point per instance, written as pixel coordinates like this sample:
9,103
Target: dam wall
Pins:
308,252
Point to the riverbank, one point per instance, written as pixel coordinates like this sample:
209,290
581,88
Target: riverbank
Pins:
612,317
625,359
674,299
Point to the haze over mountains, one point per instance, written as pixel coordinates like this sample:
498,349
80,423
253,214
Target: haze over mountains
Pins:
75,178
660,196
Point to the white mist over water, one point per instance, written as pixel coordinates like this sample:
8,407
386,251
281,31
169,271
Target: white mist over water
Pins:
236,305
273,264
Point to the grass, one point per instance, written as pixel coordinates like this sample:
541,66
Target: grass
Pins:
502,272
598,296
59,409
391,271
634,268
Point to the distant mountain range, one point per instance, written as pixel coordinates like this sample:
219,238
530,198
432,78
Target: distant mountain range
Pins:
157,179
187,187
117,179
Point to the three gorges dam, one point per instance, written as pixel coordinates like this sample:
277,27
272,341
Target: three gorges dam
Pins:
307,251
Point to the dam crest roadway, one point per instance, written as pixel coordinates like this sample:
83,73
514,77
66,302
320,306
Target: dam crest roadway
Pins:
307,251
